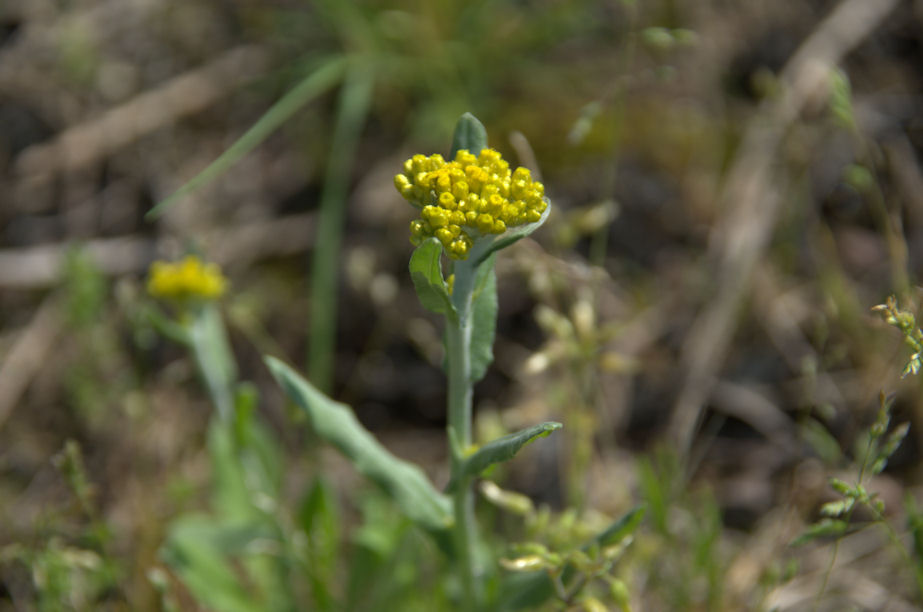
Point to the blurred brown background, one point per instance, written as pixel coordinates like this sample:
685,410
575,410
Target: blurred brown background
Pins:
735,184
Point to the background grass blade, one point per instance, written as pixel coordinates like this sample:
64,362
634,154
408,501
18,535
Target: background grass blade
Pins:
312,86
355,99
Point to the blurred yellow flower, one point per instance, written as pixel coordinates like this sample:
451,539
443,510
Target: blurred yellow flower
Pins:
469,197
189,278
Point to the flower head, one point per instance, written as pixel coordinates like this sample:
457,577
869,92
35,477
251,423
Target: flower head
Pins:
187,279
469,197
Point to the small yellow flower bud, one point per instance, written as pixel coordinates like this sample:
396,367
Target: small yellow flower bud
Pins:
458,249
460,189
417,228
447,200
465,158
444,235
484,223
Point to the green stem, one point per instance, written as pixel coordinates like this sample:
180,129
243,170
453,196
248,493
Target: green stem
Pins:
458,355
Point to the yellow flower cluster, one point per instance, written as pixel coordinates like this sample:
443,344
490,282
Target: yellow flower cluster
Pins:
469,197
186,279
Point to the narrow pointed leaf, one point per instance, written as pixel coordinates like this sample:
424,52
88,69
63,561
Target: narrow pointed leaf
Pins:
623,527
404,482
483,320
426,273
470,134
511,235
502,449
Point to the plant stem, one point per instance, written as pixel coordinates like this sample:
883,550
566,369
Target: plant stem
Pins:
458,356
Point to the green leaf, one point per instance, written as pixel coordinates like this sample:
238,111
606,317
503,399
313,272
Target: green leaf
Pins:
164,325
483,319
837,508
258,447
312,86
655,492
824,528
319,518
231,497
197,549
820,440
426,273
915,525
842,487
406,483
524,590
622,528
511,235
501,449
470,134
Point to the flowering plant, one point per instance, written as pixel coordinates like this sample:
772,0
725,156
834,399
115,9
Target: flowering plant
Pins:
470,208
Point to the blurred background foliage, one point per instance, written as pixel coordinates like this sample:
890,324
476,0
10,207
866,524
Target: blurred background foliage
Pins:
698,284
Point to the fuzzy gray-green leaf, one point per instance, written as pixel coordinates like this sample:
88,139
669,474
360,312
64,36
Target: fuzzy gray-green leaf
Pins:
502,449
426,273
511,235
483,320
470,134
334,422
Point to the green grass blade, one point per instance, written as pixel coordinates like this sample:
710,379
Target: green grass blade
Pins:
355,99
312,86
404,482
